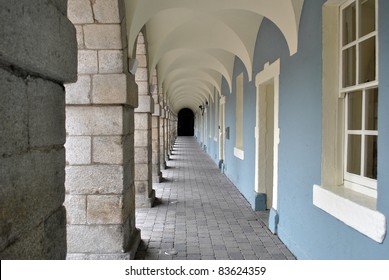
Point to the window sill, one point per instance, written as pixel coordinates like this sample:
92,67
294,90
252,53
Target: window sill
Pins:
239,153
352,208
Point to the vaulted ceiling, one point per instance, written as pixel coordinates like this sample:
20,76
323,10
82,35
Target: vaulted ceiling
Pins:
193,43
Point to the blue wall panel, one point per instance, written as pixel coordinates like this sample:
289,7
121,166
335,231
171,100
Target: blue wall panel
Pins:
309,232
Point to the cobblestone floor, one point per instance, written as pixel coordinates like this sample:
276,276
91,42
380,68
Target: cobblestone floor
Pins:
200,215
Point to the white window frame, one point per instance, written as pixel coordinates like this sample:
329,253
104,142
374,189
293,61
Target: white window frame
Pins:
351,206
238,150
355,182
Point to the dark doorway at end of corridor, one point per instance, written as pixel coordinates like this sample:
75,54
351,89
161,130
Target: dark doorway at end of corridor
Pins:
185,122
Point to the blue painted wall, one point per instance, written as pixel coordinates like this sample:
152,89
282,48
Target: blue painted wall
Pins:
241,172
212,145
309,232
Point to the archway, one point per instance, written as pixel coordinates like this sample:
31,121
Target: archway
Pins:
185,122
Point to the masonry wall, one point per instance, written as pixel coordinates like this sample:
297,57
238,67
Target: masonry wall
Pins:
100,192
37,57
144,193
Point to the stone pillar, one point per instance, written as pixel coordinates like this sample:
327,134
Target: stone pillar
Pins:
166,136
162,139
173,130
155,126
145,195
100,137
38,54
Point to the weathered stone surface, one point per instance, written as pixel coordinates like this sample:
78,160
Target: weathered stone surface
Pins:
78,150
142,60
141,75
102,36
142,155
146,104
108,149
155,143
105,209
75,209
132,89
79,92
80,11
128,120
145,200
141,138
142,121
128,148
122,10
111,61
80,36
142,171
31,43
109,89
46,241
55,235
131,242
140,47
106,11
87,62
31,188
141,39
155,123
27,248
46,111
102,224
62,5
141,188
157,110
104,120
13,114
143,87
95,238
95,179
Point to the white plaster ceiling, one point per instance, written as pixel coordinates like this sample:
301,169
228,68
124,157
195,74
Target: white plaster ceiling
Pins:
193,43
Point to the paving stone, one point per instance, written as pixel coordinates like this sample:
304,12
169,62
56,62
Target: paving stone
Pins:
202,215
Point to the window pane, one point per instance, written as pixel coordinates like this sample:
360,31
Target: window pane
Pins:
354,154
367,64
371,157
349,24
371,109
349,67
354,116
367,17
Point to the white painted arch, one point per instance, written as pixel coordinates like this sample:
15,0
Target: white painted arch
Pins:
186,37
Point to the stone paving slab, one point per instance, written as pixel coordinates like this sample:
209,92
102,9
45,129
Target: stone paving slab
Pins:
200,215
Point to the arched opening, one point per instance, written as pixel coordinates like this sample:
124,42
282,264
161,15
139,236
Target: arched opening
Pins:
185,122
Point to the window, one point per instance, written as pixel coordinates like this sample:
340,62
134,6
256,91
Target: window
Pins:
238,151
348,190
359,85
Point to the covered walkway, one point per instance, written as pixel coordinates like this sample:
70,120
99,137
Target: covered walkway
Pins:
200,214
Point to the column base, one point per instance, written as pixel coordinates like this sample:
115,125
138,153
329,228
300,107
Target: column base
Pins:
157,178
128,255
142,202
273,220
